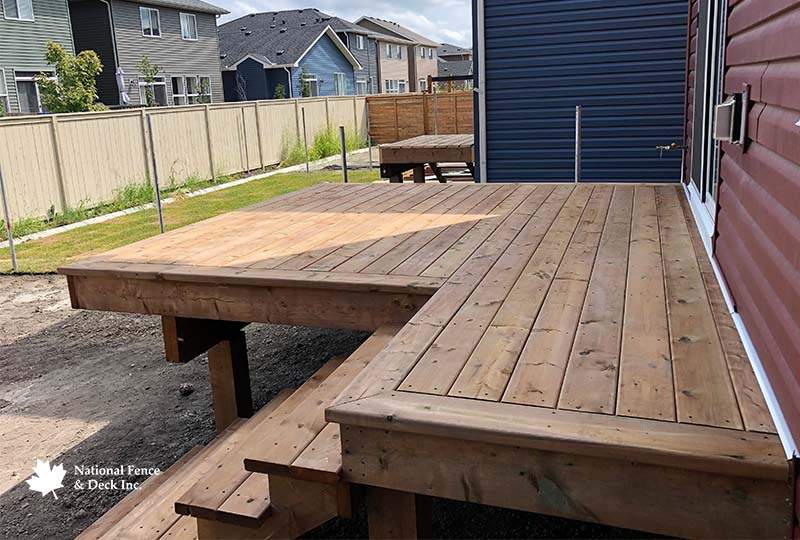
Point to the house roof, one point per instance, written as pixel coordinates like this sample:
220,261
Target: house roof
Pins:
446,49
400,31
198,6
280,38
454,67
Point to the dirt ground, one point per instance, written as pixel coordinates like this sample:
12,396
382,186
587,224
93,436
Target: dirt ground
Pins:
93,389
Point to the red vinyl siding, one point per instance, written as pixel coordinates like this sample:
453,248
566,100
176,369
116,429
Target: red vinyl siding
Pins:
758,227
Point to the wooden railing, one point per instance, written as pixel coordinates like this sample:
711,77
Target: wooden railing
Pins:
395,117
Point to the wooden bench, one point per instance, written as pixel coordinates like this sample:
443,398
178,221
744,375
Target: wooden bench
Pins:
220,491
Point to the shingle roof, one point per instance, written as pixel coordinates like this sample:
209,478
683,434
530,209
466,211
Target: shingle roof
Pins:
401,31
189,5
446,49
455,67
282,37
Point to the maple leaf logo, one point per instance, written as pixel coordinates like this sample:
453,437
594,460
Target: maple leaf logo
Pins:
46,479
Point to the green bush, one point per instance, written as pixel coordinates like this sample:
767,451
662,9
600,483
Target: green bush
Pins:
325,144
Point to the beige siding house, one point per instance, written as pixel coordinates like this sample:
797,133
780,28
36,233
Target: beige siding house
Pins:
418,55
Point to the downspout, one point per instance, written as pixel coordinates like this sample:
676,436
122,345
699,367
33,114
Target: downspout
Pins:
289,81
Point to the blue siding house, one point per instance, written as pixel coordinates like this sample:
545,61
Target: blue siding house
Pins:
622,61
296,51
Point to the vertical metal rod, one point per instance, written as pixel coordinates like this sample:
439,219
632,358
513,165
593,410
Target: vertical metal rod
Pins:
343,143
305,135
9,225
159,210
578,143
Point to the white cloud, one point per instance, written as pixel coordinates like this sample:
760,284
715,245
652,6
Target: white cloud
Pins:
439,20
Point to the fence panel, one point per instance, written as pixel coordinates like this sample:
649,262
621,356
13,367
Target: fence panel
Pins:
397,117
66,160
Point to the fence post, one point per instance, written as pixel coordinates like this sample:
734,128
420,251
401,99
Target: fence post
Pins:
146,145
455,113
369,135
396,122
355,115
9,225
305,135
436,113
327,113
159,210
62,194
258,132
297,117
246,147
343,144
207,110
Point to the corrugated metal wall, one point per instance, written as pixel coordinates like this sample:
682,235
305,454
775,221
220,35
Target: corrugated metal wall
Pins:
624,61
758,227
691,74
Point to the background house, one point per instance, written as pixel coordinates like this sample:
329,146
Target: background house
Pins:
450,53
455,61
262,51
25,28
180,36
421,51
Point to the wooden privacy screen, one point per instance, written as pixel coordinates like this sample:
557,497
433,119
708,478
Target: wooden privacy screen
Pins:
402,116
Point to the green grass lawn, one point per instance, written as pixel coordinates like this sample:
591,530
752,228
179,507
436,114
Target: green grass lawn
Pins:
47,254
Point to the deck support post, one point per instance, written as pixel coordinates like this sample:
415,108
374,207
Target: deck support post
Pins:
419,174
230,380
396,514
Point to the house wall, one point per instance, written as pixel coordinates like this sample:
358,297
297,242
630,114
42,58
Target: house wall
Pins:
758,223
23,43
91,30
324,59
174,55
391,68
422,67
366,57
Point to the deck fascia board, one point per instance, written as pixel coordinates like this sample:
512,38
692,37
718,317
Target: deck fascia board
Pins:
701,448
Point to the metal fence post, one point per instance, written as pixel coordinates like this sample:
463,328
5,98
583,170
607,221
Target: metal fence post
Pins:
209,142
9,225
343,143
305,135
159,210
578,112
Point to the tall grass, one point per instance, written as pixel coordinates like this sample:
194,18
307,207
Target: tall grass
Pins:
325,144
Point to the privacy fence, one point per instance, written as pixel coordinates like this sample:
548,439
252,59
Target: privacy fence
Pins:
55,162
395,117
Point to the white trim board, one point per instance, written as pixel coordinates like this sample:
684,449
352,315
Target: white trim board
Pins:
481,90
701,217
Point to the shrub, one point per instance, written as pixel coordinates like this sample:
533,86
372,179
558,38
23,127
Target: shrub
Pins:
74,88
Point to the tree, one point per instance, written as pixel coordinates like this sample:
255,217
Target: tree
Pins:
74,87
148,72
280,91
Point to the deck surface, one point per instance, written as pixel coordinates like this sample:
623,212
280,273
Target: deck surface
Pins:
429,149
584,314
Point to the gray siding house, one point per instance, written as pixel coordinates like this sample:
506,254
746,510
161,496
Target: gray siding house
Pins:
179,36
25,28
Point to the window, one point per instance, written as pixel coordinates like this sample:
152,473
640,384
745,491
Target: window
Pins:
360,42
178,91
20,10
188,27
158,88
205,89
313,84
393,86
3,91
28,92
430,52
361,87
151,23
423,85
339,84
399,52
422,52
388,50
192,89
401,87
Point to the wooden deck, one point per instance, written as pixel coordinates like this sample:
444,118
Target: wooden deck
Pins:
565,349
414,153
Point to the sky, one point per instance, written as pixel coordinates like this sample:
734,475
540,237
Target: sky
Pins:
440,20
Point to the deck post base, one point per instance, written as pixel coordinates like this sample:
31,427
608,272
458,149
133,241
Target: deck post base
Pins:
397,514
230,380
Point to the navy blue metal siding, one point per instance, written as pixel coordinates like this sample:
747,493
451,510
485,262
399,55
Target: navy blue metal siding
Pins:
323,60
623,61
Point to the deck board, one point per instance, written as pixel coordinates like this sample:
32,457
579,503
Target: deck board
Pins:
561,318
